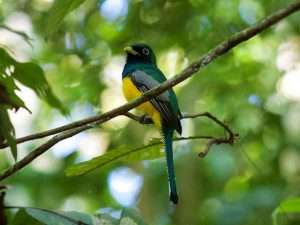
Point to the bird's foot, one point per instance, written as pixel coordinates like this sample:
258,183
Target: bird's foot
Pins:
145,119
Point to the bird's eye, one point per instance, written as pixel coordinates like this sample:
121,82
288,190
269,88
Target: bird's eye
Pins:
145,51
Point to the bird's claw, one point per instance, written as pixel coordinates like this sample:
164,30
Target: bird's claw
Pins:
145,119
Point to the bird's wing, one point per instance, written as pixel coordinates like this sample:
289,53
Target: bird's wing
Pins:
145,82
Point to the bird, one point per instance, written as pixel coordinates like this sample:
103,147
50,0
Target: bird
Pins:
139,75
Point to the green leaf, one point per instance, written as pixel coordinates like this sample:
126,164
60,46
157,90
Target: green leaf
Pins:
288,206
104,219
8,87
131,217
53,218
22,218
7,132
8,96
30,75
57,13
124,154
37,216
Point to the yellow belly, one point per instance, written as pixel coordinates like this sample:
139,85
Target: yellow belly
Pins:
131,92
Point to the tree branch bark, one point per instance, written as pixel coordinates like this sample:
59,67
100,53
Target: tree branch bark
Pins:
79,126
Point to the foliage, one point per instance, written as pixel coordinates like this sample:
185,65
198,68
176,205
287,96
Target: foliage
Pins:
291,206
36,216
7,132
28,74
57,13
126,154
250,87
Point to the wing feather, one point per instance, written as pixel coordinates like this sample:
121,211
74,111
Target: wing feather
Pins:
145,82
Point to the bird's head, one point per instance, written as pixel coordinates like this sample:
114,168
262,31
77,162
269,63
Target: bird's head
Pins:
140,53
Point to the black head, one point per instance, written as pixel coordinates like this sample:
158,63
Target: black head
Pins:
140,53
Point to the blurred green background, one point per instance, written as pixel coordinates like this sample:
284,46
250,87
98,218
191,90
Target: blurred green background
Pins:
255,88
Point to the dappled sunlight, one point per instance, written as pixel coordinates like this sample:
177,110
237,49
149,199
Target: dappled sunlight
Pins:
76,203
250,11
288,60
22,119
171,63
67,147
111,99
47,164
113,96
254,50
70,145
112,73
254,100
289,165
22,23
276,103
289,84
125,185
291,121
114,9
92,145
88,145
20,195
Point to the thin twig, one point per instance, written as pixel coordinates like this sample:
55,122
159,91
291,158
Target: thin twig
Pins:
207,58
213,140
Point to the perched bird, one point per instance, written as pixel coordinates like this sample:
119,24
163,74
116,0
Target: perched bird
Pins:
141,74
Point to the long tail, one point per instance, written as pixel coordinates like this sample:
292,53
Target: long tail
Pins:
167,134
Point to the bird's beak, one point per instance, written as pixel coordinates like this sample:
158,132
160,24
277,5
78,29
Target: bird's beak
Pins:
130,50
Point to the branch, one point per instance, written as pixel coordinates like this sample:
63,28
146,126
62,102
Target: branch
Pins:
79,126
67,134
43,148
207,58
57,130
141,119
71,126
213,140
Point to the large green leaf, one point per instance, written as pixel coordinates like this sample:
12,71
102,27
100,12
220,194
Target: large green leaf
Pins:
57,13
288,206
125,154
7,131
53,218
8,86
130,216
8,97
104,219
22,218
30,75
37,216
